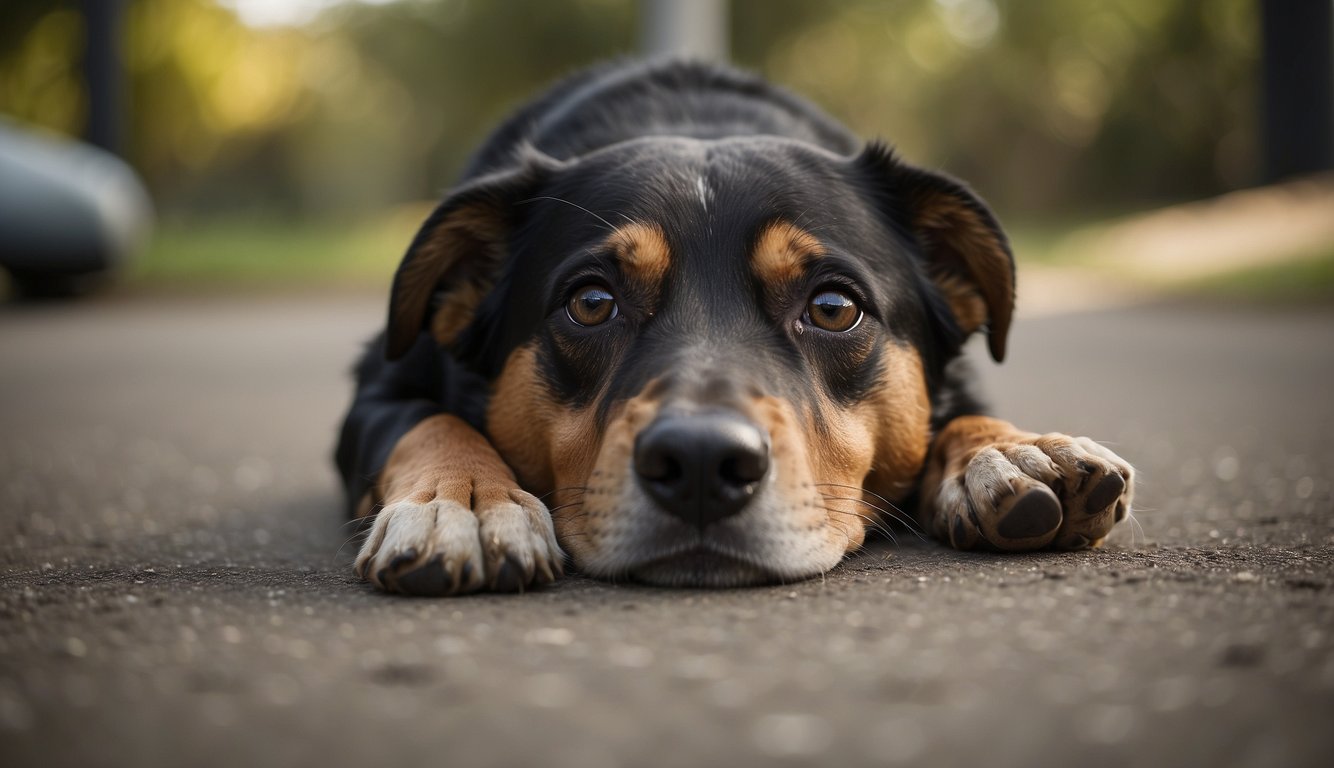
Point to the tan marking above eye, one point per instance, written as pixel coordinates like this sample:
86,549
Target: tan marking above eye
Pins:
832,311
642,252
782,252
592,305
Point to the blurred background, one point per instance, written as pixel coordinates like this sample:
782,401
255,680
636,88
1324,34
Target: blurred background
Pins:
287,142
175,572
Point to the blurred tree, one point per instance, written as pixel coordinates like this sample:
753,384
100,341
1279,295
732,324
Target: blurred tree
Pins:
1043,106
434,77
41,46
1040,104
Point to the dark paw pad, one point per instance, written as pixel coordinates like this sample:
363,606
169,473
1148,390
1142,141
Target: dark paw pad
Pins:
1035,513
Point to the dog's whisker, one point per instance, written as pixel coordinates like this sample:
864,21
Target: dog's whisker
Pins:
359,534
891,515
861,547
847,537
565,539
880,526
610,227
552,492
901,515
797,222
1135,526
875,524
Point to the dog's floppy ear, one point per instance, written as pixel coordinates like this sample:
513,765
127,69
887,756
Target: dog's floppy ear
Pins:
457,255
967,254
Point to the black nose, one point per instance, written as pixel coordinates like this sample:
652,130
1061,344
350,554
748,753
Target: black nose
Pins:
701,467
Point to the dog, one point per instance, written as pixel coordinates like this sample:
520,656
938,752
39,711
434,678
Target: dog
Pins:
680,324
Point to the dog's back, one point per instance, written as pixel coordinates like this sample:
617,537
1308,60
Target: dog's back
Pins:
613,103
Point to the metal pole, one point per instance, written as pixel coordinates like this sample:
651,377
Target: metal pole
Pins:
684,29
1298,82
103,72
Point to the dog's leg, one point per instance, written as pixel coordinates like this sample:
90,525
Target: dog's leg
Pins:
989,485
454,519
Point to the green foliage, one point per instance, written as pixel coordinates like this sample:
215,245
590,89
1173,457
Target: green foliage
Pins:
1286,281
1043,106
40,44
231,251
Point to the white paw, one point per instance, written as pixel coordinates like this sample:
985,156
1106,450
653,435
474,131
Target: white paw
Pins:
441,547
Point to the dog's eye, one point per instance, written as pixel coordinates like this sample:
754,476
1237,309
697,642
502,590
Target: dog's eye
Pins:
591,305
833,311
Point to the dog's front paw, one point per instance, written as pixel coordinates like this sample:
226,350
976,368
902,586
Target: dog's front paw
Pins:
1051,491
442,547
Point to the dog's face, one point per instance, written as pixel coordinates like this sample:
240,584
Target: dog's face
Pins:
703,351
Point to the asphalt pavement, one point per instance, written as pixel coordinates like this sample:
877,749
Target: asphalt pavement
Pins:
175,581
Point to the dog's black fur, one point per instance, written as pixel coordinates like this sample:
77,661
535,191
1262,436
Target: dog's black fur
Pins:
712,155
637,107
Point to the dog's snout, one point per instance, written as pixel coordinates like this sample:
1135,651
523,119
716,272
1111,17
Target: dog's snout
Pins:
701,467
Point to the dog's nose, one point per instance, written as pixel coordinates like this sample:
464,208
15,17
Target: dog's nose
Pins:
701,467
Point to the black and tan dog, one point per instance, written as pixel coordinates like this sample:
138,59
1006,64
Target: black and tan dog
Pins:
683,326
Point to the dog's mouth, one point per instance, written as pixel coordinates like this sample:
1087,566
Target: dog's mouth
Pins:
701,566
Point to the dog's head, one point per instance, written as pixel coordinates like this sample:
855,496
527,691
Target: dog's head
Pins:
704,350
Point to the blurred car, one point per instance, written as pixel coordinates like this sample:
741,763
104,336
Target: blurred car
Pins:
71,215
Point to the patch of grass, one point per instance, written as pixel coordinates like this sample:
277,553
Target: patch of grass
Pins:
243,252
1035,242
1045,240
1305,279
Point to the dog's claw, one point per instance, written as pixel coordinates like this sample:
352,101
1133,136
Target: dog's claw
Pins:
464,577
509,576
1106,492
403,558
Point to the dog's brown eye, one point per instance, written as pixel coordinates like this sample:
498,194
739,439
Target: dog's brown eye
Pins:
833,311
591,305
